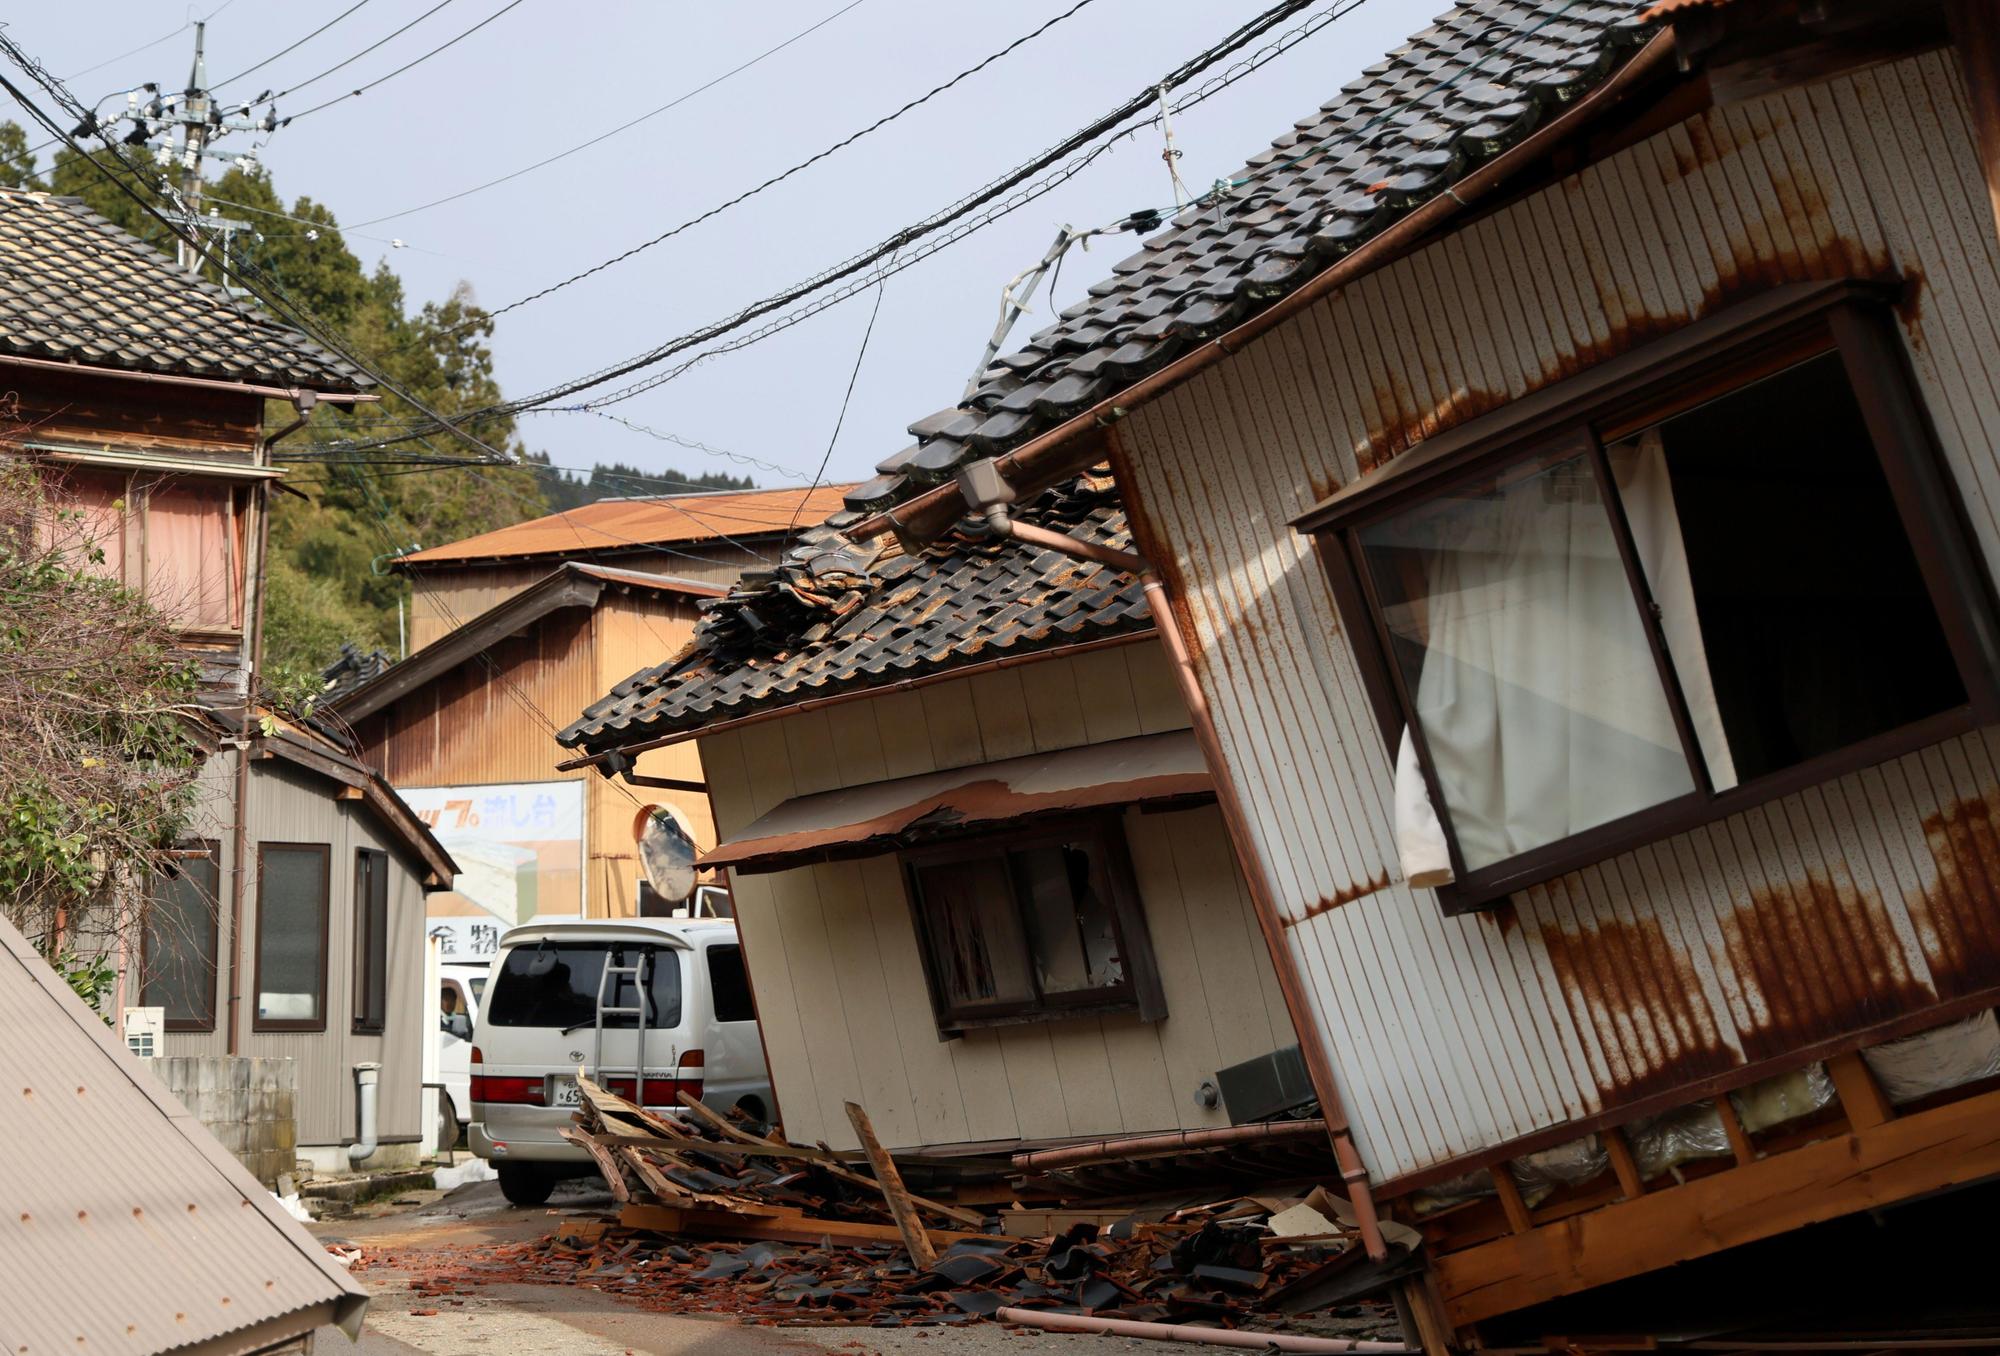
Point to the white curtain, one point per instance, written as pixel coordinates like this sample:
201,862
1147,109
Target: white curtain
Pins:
1539,699
1639,466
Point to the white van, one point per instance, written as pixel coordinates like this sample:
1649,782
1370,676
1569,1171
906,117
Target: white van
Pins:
564,994
461,986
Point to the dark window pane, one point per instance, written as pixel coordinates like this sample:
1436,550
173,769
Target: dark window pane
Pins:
1816,630
371,940
556,986
291,934
978,950
180,944
729,984
1070,928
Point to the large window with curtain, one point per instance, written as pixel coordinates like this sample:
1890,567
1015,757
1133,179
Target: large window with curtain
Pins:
1683,588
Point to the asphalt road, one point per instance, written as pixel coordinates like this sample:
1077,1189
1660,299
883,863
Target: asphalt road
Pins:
399,1242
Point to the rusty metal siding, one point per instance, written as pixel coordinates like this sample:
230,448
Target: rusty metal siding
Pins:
1858,901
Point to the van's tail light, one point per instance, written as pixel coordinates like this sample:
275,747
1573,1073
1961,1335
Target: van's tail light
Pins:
687,1078
494,1088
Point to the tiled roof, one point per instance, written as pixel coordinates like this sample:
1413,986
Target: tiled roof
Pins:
876,615
621,524
76,288
1481,79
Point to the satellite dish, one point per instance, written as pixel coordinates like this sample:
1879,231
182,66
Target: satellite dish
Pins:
667,851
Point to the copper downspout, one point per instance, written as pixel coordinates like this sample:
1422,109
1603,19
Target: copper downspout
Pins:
1318,1062
1036,463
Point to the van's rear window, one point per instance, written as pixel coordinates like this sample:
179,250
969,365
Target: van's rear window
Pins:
556,986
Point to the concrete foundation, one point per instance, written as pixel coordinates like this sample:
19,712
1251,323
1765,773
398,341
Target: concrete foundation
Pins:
248,1104
330,1160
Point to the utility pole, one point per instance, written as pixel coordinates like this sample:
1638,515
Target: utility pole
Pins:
201,121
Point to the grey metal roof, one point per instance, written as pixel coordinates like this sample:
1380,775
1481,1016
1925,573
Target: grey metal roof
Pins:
124,1226
1479,80
838,617
76,288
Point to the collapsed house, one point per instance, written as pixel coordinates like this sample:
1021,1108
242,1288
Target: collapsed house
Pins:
1564,461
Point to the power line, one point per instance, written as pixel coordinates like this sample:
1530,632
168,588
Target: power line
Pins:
780,177
408,65
188,231
146,47
293,48
675,102
841,418
313,80
1081,139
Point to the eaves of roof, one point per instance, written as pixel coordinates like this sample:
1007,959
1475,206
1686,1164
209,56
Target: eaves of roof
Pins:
569,584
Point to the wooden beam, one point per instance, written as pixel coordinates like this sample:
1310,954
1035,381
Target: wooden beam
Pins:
349,793
1860,1095
666,1219
825,1161
901,1208
1511,1200
1933,1150
1732,1126
1623,1164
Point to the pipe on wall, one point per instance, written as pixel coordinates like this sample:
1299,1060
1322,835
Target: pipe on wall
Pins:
366,1078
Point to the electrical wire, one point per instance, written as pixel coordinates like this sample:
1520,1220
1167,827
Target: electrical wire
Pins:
272,292
147,47
675,102
313,80
841,418
810,160
283,51
408,65
1080,140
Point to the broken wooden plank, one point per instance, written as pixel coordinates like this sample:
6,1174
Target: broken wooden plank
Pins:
901,1208
665,1219
821,1159
614,1175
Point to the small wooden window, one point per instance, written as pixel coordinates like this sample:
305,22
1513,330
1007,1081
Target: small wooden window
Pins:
1718,571
291,936
1033,927
371,941
178,944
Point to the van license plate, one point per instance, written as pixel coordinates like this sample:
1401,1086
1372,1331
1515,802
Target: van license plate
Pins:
567,1093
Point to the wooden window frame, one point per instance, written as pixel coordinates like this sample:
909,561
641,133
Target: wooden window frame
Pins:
1141,993
211,850
1702,362
362,1022
257,1021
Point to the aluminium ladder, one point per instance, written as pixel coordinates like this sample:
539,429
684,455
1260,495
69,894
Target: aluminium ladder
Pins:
637,972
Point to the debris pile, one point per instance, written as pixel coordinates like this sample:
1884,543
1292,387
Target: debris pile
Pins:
718,1218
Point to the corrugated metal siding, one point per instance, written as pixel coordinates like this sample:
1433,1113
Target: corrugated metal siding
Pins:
127,1228
291,806
1822,913
833,952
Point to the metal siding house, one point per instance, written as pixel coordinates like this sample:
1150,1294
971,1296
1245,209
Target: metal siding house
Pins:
158,439
1549,230
204,1260
968,695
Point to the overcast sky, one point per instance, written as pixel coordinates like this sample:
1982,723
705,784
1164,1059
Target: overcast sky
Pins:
547,75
